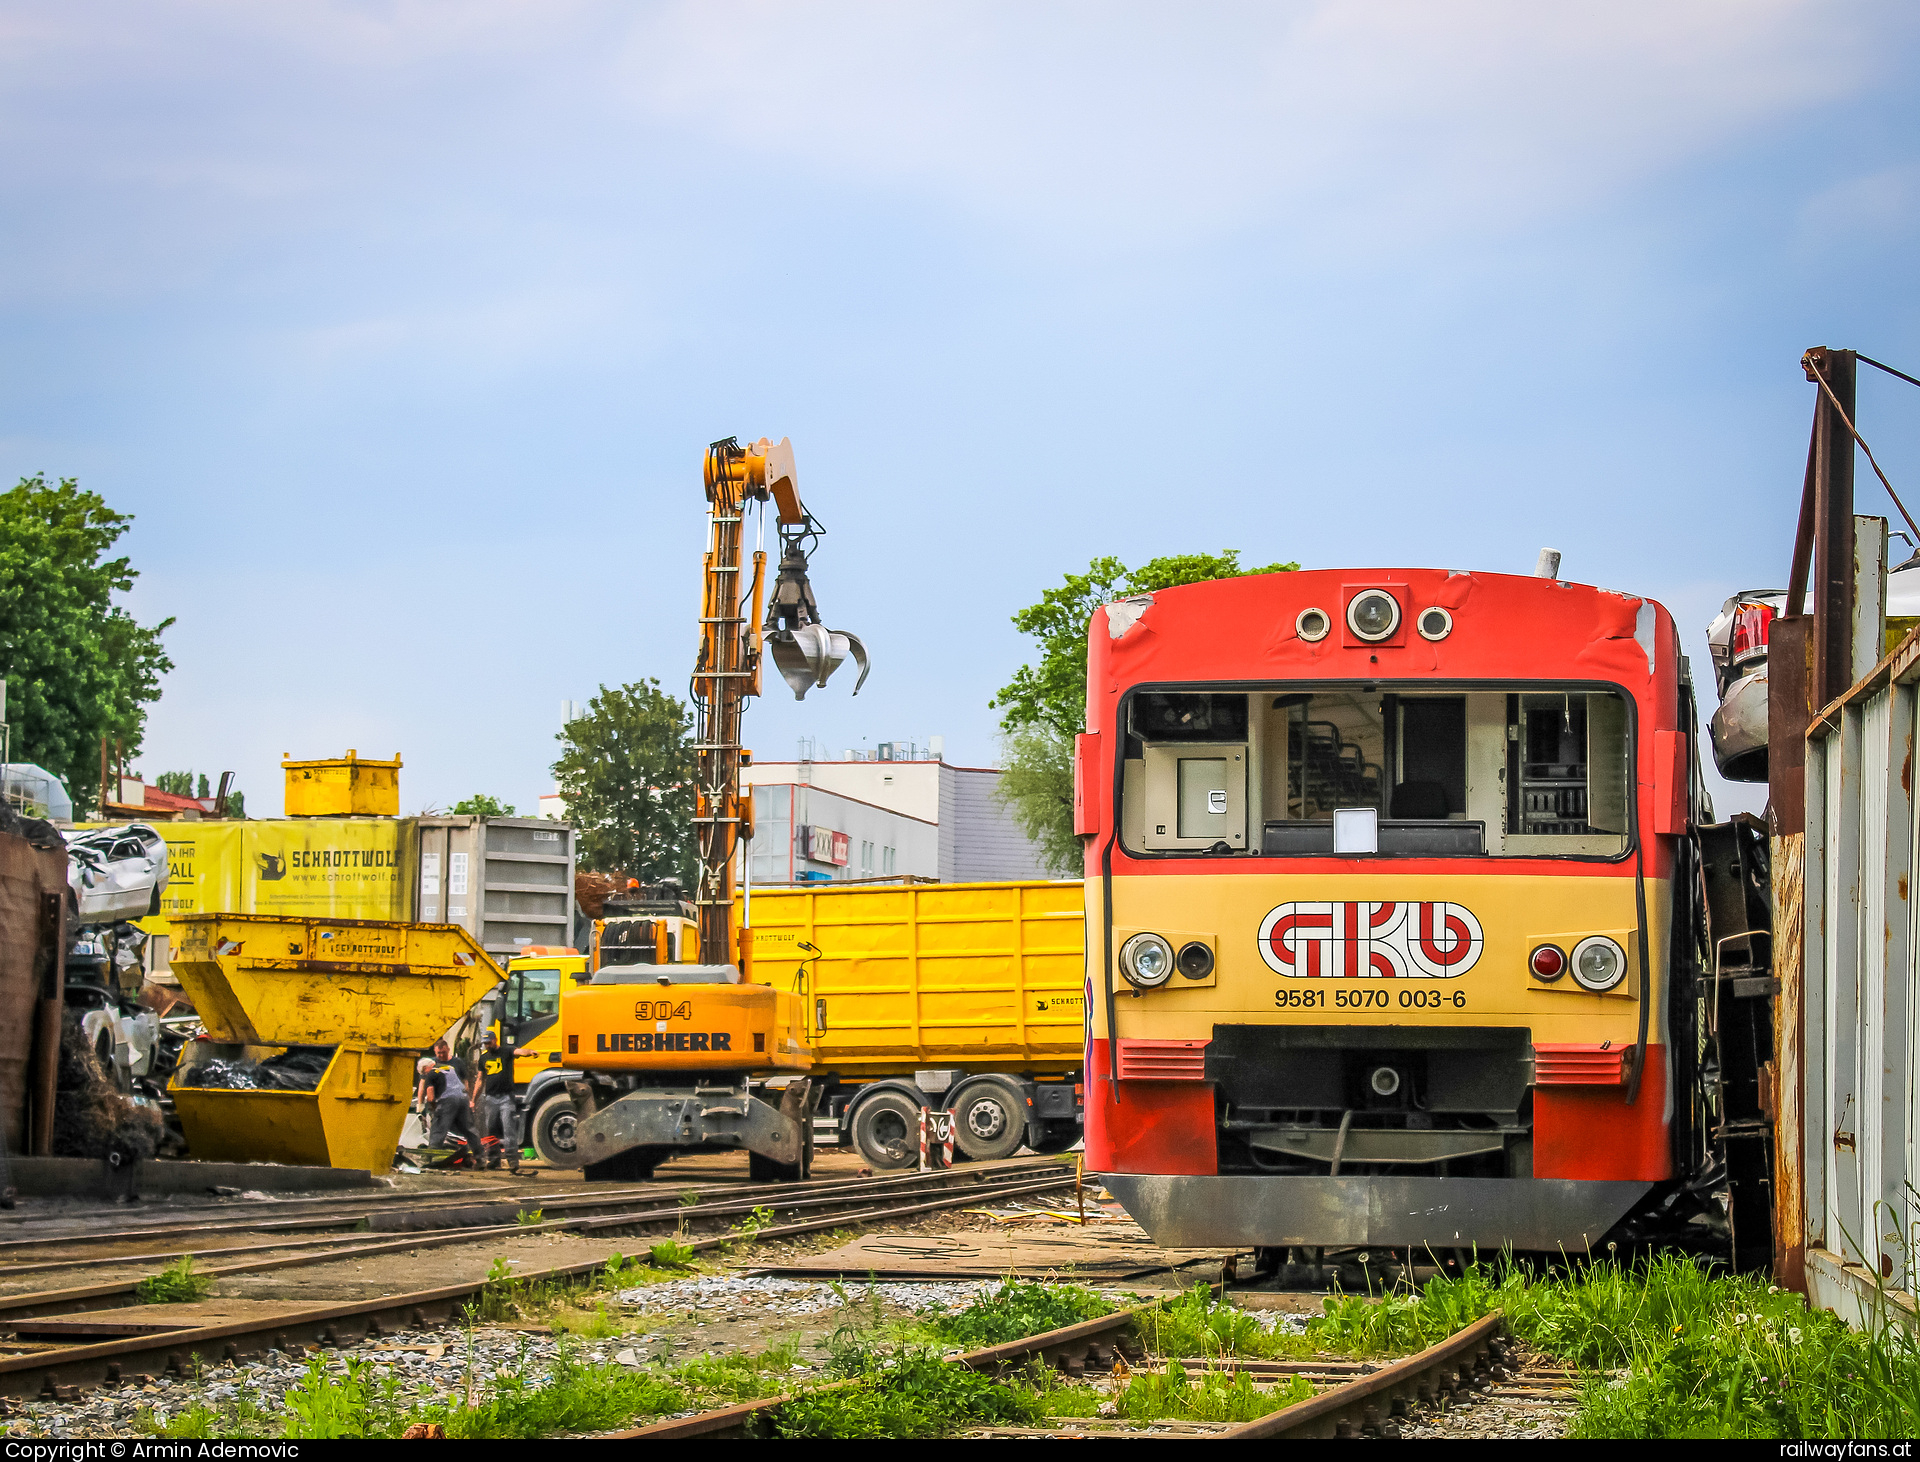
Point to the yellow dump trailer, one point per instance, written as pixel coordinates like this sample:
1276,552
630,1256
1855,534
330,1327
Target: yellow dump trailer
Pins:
378,994
963,997
905,976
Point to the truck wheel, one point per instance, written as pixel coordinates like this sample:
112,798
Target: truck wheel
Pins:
886,1129
989,1120
551,1131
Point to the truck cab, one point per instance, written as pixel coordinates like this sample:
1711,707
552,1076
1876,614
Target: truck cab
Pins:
527,1012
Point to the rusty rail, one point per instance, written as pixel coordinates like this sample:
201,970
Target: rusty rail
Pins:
1374,1404
1071,1347
60,1372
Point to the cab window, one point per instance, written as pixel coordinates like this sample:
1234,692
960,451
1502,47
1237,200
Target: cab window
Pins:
533,995
1418,771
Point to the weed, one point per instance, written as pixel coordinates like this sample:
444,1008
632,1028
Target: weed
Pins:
760,1218
668,1254
352,1403
1014,1311
908,1392
530,1216
854,1345
495,1300
690,1197
177,1284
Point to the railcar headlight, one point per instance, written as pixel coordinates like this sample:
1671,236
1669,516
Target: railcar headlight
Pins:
1312,624
1374,614
1147,961
1598,963
1195,960
1433,624
1547,962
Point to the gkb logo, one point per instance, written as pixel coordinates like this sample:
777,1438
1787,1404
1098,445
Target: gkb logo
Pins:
1360,940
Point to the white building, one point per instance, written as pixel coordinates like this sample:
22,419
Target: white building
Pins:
824,821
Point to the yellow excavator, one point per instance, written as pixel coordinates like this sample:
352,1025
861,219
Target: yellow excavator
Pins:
676,1045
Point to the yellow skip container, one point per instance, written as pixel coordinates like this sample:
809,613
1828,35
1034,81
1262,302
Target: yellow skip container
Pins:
343,786
378,993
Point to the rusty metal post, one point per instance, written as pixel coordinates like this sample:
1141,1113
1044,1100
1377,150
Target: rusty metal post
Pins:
1832,525
1789,709
1809,666
48,1012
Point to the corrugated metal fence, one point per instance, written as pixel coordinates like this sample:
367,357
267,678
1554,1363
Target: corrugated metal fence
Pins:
1859,1088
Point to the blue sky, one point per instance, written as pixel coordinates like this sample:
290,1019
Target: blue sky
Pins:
401,327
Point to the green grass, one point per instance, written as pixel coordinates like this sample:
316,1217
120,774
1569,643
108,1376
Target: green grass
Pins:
1719,1356
1207,1396
1196,1324
177,1284
725,1379
528,1217
1679,1351
906,1392
572,1396
1012,1312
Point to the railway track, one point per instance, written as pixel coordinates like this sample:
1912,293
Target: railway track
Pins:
60,1370
393,1210
1355,1398
427,1226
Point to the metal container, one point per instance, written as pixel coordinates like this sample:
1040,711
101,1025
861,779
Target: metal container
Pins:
343,786
508,881
379,993
352,1120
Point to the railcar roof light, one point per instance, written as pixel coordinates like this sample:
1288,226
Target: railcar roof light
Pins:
1434,624
1598,963
1147,961
1312,624
1373,614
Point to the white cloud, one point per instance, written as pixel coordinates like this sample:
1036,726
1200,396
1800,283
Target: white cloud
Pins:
1149,124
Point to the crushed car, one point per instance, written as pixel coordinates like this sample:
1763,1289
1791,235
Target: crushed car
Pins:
116,872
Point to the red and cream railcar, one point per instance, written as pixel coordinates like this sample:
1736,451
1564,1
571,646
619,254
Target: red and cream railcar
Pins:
1381,872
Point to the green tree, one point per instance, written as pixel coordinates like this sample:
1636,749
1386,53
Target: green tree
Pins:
181,784
77,666
626,773
1044,706
481,805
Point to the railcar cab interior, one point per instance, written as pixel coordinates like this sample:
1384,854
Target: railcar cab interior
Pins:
1332,770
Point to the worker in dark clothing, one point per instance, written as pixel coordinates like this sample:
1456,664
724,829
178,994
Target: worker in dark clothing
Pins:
444,1095
493,1103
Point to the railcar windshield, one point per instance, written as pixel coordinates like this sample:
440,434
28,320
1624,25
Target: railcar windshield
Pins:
1419,771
